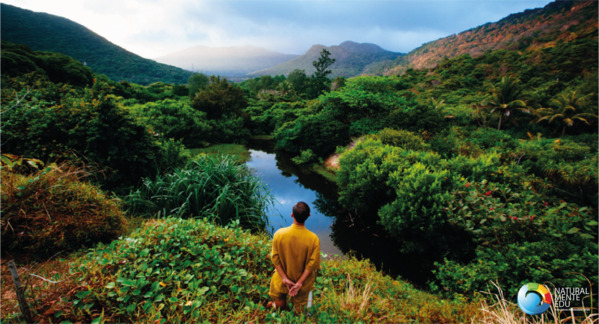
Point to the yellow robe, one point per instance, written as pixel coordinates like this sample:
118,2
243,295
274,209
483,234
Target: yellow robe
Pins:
295,249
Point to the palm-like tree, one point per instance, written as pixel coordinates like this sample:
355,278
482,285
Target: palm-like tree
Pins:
506,98
568,108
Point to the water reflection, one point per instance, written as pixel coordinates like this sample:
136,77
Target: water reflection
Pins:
287,188
340,232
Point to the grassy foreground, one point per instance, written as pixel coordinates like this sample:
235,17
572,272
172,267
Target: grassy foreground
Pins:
177,270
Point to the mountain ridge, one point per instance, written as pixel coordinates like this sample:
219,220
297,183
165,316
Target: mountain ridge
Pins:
532,28
352,59
45,32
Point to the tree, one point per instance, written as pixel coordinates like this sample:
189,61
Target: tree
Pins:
567,109
322,64
298,80
197,82
320,81
220,98
506,99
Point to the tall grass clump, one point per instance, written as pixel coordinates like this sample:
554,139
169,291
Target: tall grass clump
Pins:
54,209
209,187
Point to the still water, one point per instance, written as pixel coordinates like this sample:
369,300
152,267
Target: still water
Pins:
340,232
289,185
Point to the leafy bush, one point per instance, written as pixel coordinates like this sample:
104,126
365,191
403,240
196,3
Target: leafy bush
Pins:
402,138
569,166
321,133
53,210
520,239
85,125
213,187
175,270
416,117
490,137
305,157
229,129
178,270
365,170
219,98
417,214
174,119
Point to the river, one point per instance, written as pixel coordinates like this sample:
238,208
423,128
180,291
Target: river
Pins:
283,181
339,232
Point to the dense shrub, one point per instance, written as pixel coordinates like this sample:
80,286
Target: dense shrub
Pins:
178,270
219,98
54,210
175,119
570,167
520,239
321,133
417,215
213,187
402,138
174,270
85,125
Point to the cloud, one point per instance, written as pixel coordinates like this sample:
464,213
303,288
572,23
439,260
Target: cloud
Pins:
153,28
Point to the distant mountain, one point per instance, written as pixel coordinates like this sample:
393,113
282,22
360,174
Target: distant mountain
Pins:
559,21
352,59
45,32
225,61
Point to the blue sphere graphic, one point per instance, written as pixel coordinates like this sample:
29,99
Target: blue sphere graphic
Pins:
531,301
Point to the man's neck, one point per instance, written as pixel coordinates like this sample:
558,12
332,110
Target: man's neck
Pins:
296,223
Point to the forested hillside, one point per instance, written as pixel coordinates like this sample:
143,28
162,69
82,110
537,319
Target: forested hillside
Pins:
44,32
560,21
352,59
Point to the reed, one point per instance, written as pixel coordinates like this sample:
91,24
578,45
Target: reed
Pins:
214,187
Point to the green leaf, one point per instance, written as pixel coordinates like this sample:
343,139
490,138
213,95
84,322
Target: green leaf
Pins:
83,294
573,230
97,320
131,308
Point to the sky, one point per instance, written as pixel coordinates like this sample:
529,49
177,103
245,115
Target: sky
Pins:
153,28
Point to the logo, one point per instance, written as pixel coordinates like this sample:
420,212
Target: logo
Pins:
534,298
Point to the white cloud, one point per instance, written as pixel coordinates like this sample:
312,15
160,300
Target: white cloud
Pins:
152,28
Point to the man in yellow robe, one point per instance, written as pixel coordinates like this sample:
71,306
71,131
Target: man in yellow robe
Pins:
296,257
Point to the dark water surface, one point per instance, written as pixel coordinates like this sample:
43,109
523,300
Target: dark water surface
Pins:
289,184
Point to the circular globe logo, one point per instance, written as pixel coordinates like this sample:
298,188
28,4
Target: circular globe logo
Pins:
534,298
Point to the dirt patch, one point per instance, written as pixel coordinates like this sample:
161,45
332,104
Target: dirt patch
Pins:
332,162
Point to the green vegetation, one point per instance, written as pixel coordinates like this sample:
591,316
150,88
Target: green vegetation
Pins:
209,187
237,152
176,270
484,169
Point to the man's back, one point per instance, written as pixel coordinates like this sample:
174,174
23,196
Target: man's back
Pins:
296,257
297,249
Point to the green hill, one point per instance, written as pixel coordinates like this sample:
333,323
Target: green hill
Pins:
352,59
559,21
45,32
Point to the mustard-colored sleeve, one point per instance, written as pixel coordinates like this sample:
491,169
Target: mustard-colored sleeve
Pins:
274,253
314,260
